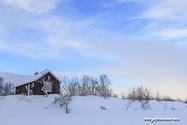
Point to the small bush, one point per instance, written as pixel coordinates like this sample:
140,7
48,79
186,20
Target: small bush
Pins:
128,105
167,98
115,95
63,100
185,101
102,108
145,105
172,108
139,93
165,106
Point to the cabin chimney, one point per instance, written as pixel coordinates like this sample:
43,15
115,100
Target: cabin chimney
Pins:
36,73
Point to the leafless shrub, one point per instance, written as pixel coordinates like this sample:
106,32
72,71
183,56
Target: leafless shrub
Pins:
158,98
132,94
87,86
167,98
172,108
185,101
24,99
63,100
165,106
144,93
148,95
102,108
140,93
145,105
115,95
179,100
128,105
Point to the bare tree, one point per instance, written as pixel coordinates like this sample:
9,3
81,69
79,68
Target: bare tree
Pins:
1,86
104,86
140,93
132,94
70,86
94,83
73,86
65,82
148,94
87,86
158,98
6,88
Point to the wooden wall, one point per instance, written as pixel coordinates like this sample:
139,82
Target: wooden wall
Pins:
38,86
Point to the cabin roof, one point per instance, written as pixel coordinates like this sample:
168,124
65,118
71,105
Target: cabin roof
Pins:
36,77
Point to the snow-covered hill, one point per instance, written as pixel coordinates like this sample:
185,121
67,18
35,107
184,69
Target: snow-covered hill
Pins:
39,110
11,77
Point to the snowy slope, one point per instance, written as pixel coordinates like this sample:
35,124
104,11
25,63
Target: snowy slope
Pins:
13,78
38,110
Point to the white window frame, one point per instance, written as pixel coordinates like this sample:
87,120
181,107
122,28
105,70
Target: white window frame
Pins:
48,86
26,87
49,77
32,85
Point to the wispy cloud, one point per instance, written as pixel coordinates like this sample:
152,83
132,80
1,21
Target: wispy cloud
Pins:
167,10
37,34
34,6
173,33
167,19
157,64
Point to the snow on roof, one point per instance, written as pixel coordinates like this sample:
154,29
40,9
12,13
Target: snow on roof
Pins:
36,77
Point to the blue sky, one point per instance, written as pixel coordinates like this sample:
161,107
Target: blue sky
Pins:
133,41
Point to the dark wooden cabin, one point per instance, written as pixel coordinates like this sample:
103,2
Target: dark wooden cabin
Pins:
43,83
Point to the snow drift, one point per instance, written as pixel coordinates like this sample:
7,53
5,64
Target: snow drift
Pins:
39,110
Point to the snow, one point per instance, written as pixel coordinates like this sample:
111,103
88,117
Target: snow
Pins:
13,78
36,77
37,110
18,80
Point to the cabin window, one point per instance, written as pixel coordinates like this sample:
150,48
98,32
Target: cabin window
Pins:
48,86
32,85
26,87
48,77
30,92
